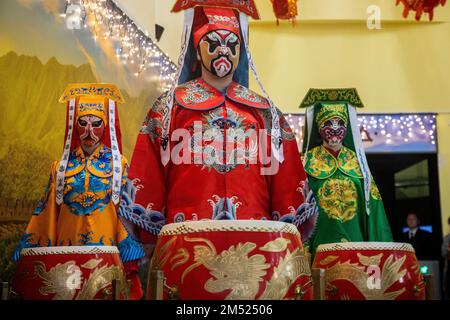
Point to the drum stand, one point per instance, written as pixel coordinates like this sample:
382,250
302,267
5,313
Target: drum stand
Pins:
4,290
7,294
156,287
318,276
429,288
116,292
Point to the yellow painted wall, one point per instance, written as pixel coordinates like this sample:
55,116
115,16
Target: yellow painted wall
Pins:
404,67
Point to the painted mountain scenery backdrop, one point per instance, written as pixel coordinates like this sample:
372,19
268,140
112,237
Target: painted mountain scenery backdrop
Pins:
39,57
32,122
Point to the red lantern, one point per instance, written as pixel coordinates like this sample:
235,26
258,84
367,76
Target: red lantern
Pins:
285,9
420,7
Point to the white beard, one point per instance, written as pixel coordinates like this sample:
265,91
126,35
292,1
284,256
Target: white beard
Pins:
222,71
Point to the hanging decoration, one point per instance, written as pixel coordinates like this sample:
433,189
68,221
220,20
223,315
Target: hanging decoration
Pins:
285,10
132,45
245,6
420,7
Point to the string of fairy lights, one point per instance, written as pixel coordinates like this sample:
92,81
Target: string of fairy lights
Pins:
133,46
401,127
393,129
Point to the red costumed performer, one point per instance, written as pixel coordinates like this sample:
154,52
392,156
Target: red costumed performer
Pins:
210,148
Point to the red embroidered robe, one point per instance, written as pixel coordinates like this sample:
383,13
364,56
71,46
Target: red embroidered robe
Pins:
211,189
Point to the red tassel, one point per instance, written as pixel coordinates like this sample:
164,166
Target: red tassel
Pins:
420,7
406,12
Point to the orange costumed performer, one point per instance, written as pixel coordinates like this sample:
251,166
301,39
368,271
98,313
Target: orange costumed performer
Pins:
81,202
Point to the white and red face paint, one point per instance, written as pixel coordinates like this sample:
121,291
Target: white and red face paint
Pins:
333,131
90,129
219,52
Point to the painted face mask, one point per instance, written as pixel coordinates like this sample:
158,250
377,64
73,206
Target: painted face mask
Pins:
90,129
333,131
219,52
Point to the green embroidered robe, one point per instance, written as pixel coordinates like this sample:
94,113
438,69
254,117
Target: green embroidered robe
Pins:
337,184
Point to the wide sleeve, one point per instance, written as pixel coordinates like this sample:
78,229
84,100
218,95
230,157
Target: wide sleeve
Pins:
287,182
291,199
41,230
131,252
378,226
130,249
144,198
128,243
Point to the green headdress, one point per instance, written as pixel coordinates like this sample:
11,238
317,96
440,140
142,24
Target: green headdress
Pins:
332,95
323,104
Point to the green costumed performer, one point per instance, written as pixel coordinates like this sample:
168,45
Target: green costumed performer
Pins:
349,204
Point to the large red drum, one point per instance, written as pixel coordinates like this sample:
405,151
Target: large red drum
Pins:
239,259
69,273
370,270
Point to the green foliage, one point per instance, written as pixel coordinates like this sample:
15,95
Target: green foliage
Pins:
24,171
10,234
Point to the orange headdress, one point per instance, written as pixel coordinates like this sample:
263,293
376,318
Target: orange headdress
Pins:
99,100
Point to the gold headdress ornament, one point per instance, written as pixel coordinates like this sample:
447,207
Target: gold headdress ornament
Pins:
92,98
75,90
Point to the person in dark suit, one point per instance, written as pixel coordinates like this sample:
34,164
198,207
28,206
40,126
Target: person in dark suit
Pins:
445,252
421,240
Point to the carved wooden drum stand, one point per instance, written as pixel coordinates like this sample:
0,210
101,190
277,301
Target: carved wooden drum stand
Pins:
239,259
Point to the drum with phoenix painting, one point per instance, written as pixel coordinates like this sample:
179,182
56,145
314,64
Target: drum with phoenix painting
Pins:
370,271
69,273
239,259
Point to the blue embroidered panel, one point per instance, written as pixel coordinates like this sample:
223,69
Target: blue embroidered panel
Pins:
98,193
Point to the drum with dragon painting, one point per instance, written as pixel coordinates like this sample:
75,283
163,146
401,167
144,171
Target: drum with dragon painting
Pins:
238,259
69,273
370,270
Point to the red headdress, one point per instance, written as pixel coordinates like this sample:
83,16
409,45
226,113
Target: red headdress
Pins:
208,19
201,17
247,7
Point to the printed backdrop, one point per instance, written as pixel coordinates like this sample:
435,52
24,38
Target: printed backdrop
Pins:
39,56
